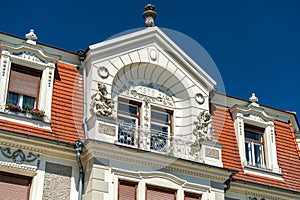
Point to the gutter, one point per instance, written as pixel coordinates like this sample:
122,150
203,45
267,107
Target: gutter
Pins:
79,147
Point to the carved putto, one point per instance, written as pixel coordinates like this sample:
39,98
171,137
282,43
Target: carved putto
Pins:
203,130
102,105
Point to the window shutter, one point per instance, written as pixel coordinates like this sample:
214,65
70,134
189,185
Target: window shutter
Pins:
14,187
155,193
24,81
191,196
127,190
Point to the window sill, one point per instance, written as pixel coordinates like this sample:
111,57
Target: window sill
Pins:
25,118
262,172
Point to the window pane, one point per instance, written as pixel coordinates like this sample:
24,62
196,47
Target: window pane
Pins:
13,98
253,136
30,101
248,151
258,154
131,109
164,117
159,128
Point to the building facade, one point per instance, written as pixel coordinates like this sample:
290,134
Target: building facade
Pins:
134,117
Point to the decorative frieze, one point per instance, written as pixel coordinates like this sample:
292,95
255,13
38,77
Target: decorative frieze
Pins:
18,156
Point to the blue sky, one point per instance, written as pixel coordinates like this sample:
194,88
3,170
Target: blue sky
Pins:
255,44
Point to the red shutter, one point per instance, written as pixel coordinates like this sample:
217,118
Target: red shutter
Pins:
158,193
24,81
127,190
191,196
14,187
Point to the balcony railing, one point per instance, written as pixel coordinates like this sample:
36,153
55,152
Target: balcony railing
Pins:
155,141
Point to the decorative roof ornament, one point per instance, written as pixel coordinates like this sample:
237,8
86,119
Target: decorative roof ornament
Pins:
149,15
254,100
31,37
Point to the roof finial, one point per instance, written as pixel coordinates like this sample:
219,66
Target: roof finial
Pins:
31,37
149,15
254,100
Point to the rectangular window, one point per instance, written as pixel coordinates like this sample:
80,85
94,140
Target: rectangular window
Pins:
192,196
155,193
129,114
161,125
23,88
10,183
127,190
254,146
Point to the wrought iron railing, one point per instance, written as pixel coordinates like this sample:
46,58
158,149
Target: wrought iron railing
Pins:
155,141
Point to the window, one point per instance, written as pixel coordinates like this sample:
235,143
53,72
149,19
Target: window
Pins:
127,190
129,114
192,196
254,128
254,146
10,183
160,128
155,193
23,89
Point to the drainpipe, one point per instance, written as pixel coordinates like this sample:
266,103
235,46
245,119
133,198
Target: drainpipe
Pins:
81,56
79,147
78,143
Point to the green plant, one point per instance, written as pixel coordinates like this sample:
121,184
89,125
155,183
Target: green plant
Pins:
37,113
27,107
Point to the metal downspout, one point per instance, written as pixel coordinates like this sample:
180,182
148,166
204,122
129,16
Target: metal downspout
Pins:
81,56
79,147
78,143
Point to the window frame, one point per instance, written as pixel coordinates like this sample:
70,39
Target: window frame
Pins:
159,122
130,116
259,131
256,116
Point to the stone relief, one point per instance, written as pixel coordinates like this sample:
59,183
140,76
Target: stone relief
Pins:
202,132
102,106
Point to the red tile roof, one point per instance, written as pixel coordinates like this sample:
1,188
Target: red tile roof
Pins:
287,151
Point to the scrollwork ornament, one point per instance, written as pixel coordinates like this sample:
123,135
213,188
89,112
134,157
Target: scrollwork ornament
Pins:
18,156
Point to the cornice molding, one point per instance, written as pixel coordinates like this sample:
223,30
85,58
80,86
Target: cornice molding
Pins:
154,160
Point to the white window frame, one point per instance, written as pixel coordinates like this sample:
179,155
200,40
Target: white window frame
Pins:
30,56
255,116
168,137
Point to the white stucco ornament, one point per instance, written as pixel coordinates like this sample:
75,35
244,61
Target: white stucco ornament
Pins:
199,98
153,54
254,100
103,72
102,105
31,37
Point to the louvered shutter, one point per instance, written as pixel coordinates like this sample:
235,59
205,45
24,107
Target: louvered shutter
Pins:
127,190
14,187
191,196
24,81
158,193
